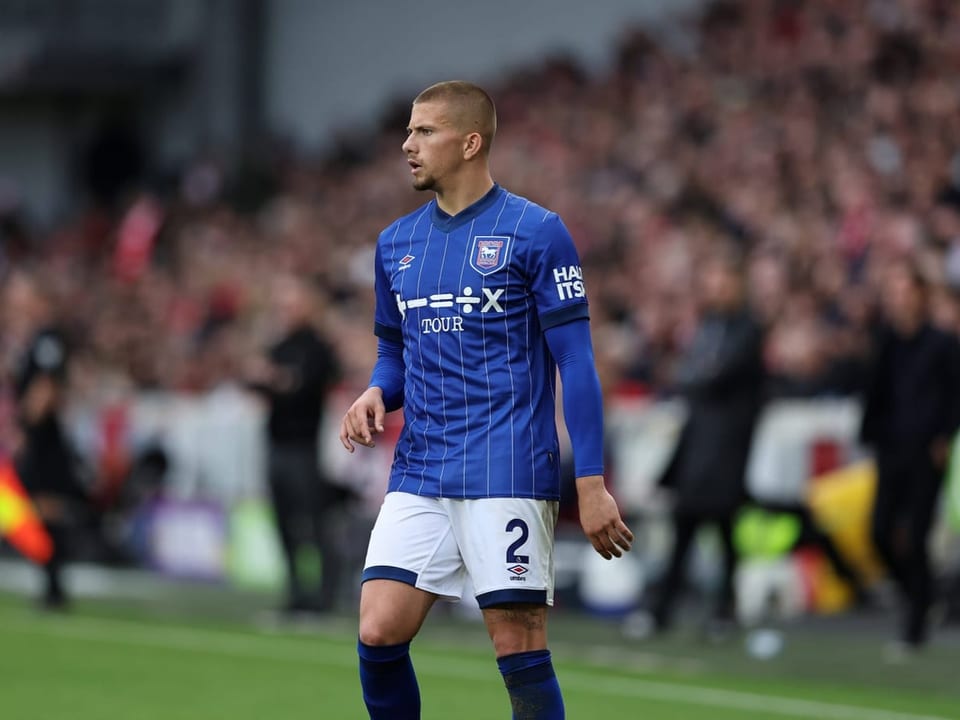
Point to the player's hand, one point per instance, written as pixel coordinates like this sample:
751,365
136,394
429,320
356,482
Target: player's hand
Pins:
363,420
600,518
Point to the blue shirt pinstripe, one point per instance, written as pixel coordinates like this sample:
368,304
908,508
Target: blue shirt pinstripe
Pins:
469,298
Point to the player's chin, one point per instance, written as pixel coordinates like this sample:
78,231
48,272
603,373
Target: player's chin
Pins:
425,183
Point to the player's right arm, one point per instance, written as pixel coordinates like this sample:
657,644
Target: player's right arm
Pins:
364,419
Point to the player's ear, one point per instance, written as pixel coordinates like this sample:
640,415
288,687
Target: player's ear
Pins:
472,145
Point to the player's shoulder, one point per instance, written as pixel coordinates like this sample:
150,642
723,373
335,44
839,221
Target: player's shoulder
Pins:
533,212
406,221
532,218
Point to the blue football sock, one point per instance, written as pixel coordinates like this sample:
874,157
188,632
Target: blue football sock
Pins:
532,684
389,683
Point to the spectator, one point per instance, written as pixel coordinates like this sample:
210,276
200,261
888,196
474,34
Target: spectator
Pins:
720,377
822,136
912,412
44,458
295,376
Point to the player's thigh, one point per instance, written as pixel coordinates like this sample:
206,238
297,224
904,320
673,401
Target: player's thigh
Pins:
413,542
507,548
392,612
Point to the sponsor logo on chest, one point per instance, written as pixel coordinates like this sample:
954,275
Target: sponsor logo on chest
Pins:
467,302
487,254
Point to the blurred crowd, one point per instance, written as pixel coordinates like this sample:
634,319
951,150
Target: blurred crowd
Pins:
818,137
813,144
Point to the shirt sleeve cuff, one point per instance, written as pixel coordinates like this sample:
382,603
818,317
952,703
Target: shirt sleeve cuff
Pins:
388,333
565,314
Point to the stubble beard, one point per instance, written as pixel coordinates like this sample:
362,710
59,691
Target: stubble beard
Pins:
425,183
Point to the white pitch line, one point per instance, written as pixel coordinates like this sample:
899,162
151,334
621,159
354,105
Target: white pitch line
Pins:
218,642
735,699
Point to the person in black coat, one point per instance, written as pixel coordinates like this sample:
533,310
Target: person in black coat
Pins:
911,414
45,460
721,379
295,376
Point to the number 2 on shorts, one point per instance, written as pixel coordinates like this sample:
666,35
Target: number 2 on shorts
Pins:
512,556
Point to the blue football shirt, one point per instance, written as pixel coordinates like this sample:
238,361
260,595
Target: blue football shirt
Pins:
469,297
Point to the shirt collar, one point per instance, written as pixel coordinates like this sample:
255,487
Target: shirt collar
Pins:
446,223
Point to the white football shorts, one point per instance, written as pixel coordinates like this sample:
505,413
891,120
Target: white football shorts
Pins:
504,545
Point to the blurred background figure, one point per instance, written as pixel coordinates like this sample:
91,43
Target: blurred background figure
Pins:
721,378
164,159
295,376
38,352
911,414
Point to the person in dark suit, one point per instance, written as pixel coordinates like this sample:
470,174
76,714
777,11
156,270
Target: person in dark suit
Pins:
295,376
44,459
911,414
721,379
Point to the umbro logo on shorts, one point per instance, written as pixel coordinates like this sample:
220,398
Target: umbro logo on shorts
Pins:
517,570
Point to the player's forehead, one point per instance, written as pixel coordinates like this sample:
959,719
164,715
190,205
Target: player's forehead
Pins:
432,113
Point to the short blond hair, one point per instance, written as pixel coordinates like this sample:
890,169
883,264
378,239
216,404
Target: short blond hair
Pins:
472,109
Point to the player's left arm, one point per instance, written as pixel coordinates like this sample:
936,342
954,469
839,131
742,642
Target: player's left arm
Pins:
600,518
556,281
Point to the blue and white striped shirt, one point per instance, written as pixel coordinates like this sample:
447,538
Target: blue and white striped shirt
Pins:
469,297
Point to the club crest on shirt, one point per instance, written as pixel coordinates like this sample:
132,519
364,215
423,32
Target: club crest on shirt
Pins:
489,253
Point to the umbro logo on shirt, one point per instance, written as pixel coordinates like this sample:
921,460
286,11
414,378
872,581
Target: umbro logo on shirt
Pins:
405,261
517,573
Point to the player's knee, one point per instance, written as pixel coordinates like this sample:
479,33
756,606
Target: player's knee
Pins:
374,632
516,629
508,645
511,640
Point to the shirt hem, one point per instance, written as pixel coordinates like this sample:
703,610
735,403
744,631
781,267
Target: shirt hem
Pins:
478,496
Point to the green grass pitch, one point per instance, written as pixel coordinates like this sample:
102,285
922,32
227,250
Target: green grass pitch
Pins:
103,662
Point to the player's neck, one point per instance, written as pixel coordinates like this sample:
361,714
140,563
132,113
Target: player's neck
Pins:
464,193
